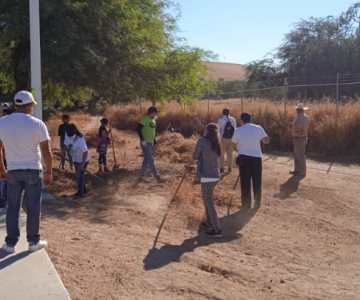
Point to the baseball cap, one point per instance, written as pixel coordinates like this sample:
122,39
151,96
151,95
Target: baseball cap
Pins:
152,109
24,97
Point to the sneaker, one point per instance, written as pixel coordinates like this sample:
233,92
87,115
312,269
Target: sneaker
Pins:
40,245
8,249
214,234
207,227
141,179
78,195
160,180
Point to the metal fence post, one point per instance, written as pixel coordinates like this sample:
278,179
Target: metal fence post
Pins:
208,112
285,95
242,100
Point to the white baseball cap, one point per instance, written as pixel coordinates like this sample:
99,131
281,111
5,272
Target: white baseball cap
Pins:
24,97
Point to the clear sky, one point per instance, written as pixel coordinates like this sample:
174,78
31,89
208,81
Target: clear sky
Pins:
241,31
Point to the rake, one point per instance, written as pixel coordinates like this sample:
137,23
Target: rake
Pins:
93,175
232,196
170,204
116,166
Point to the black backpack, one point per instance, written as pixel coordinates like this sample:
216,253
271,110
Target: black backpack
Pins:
228,130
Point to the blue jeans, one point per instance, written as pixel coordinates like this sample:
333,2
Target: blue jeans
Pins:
102,158
148,161
80,177
31,182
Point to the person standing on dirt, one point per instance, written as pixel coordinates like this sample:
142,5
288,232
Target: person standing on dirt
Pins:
63,149
26,141
76,143
103,142
248,139
227,126
300,137
207,153
147,132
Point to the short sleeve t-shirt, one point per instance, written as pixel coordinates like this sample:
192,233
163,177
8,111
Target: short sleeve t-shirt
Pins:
62,130
78,147
149,129
248,139
223,121
301,126
101,129
21,135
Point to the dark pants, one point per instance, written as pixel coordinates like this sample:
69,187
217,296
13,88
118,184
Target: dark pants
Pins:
250,171
80,177
63,152
18,181
102,158
3,188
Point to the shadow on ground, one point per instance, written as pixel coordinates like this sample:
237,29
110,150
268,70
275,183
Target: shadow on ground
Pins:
289,187
94,206
6,260
230,224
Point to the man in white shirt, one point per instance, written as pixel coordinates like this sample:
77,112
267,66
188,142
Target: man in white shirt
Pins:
248,139
26,141
227,126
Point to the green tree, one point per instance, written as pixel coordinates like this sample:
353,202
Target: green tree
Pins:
265,74
319,48
117,49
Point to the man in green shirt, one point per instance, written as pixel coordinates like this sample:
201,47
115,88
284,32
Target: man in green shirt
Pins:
147,132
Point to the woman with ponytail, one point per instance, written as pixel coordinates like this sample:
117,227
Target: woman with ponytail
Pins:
207,153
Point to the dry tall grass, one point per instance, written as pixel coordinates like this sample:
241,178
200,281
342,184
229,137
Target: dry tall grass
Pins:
329,134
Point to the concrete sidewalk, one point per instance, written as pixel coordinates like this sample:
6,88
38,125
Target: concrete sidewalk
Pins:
25,275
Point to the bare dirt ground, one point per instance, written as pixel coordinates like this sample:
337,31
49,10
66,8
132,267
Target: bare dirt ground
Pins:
304,242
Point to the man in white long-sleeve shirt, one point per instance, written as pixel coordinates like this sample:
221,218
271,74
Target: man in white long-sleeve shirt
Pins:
227,126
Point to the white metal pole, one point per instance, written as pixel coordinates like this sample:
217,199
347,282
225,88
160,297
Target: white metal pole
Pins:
35,56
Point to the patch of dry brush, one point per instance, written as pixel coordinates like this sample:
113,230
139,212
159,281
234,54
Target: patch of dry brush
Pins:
329,134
